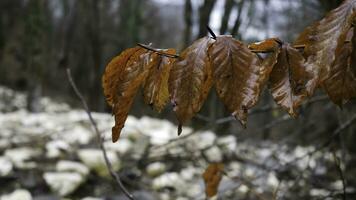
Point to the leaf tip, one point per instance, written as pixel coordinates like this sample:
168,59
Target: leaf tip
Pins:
115,134
180,129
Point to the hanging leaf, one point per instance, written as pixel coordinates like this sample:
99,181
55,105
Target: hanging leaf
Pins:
289,76
130,73
239,77
191,79
212,177
110,79
341,84
156,85
323,40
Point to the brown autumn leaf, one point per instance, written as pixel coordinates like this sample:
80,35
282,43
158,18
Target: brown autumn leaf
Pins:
267,45
289,76
341,84
125,83
156,85
190,80
238,75
323,40
110,78
212,177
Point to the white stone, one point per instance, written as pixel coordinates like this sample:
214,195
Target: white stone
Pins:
243,189
122,146
272,180
159,131
201,140
155,169
168,180
20,156
19,194
55,148
63,183
214,154
228,143
78,135
188,173
5,166
91,198
94,159
71,166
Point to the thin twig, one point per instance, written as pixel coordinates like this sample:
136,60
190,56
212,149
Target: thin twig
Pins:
341,173
262,109
213,35
99,137
159,52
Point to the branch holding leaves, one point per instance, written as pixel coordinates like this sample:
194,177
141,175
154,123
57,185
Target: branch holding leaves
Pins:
327,60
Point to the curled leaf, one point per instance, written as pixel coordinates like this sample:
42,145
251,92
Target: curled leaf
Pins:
125,74
341,84
288,79
323,40
156,85
268,45
111,77
212,177
289,75
239,76
191,79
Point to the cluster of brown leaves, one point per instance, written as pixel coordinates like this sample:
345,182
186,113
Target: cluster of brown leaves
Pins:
322,56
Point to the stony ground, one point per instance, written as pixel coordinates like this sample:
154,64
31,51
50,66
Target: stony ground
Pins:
54,154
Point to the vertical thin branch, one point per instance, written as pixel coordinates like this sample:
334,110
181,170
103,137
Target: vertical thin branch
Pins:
99,137
341,174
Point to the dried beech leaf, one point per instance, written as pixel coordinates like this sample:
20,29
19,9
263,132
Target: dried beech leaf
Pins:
268,45
156,85
288,79
323,39
191,79
212,177
126,82
112,73
341,84
238,74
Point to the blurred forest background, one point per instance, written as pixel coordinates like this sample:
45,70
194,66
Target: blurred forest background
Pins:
39,39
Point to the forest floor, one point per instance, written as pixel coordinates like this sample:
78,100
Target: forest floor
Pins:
54,154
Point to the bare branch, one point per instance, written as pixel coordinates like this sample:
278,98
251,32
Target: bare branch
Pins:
211,32
158,51
99,137
341,173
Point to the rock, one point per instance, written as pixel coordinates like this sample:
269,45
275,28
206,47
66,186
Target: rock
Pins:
5,166
228,143
201,140
63,183
78,135
19,194
71,166
122,146
214,154
55,148
20,156
156,169
94,159
171,179
91,198
159,131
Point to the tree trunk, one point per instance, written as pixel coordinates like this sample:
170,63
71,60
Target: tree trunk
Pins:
229,4
188,11
204,16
